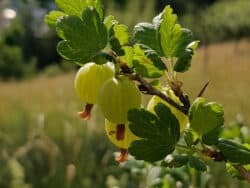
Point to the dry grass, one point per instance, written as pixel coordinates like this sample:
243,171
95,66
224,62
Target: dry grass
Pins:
43,103
228,69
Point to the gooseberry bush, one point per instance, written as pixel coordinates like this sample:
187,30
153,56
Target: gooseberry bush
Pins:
117,69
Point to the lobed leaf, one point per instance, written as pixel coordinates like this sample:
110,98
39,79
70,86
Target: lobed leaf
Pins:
150,150
147,63
212,137
118,35
190,137
52,18
170,122
175,161
83,39
76,7
197,163
204,117
234,152
121,33
158,137
174,39
146,35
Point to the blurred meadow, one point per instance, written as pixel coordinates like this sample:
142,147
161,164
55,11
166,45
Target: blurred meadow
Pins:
44,144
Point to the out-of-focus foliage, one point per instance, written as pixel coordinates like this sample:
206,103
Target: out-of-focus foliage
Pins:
224,20
13,64
30,40
78,156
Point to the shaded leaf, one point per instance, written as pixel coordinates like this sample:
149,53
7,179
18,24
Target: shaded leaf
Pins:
175,161
204,117
144,66
83,39
150,150
190,137
197,163
143,123
211,138
158,137
145,34
234,152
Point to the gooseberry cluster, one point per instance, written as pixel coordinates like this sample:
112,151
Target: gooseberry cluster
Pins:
116,94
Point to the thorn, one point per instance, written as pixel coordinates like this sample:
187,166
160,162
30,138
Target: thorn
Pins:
203,89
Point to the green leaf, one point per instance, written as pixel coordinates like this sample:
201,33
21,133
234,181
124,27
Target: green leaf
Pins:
72,7
170,32
166,117
118,35
143,123
150,150
174,39
76,7
197,163
147,70
52,17
97,4
153,56
101,58
234,152
235,173
159,133
175,161
155,83
146,35
204,117
121,33
184,61
109,21
128,55
83,39
211,138
165,37
144,66
157,20
190,137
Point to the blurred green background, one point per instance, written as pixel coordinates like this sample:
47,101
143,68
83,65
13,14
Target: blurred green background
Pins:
43,143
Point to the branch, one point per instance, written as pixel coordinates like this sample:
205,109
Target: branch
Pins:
243,172
144,86
149,89
218,156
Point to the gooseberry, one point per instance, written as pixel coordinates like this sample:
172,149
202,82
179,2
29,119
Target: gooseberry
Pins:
88,82
182,118
117,96
121,136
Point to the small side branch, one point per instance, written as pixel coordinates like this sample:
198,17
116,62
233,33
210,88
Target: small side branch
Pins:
149,89
243,172
144,86
218,156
